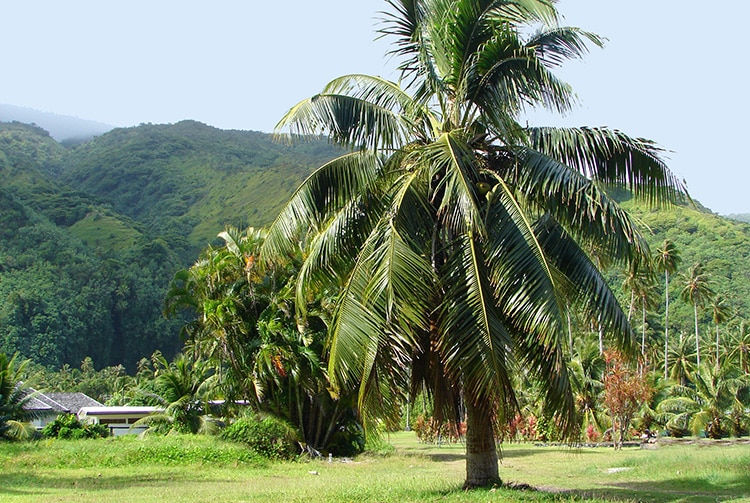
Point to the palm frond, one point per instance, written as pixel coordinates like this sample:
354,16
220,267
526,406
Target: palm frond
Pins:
586,211
592,293
475,344
348,120
330,188
556,45
613,158
452,163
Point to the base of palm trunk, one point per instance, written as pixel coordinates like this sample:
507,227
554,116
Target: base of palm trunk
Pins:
481,453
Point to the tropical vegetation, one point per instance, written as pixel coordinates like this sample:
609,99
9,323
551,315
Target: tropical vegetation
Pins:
449,268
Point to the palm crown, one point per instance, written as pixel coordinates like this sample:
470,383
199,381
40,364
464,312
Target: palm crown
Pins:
458,238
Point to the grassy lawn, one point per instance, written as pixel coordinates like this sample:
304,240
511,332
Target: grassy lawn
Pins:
181,469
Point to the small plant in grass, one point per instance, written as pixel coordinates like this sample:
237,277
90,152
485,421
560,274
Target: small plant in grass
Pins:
67,426
268,436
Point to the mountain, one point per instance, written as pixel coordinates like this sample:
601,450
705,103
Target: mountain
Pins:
92,234
63,128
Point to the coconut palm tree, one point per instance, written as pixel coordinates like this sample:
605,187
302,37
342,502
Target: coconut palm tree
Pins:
587,368
184,389
740,344
682,356
14,418
707,404
696,291
639,281
720,312
457,236
666,260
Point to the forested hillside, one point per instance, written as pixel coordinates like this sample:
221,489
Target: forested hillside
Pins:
720,245
91,235
186,181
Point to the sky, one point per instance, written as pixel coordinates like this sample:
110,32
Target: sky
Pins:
671,71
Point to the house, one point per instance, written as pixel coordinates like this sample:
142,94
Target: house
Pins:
119,419
47,406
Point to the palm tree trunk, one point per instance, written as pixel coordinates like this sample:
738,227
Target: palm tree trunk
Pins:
666,325
643,336
481,454
717,345
697,337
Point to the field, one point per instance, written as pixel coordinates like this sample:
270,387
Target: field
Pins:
182,469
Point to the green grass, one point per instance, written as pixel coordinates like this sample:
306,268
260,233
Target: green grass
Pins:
182,469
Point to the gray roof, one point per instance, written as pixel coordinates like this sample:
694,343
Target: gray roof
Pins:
61,402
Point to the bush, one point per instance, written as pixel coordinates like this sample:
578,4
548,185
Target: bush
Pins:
268,436
67,426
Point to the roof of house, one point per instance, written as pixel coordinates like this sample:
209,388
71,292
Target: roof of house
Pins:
123,410
60,402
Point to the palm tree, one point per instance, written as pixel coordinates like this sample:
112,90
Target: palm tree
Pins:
640,282
185,389
587,368
696,292
456,236
720,312
682,357
666,260
14,418
740,344
706,405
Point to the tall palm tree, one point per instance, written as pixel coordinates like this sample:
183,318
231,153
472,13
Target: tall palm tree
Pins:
720,313
457,236
682,356
666,260
639,281
696,291
740,344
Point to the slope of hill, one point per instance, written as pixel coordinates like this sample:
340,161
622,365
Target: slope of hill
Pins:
63,298
188,180
92,235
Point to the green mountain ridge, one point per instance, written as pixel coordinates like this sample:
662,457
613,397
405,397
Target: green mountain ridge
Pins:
91,235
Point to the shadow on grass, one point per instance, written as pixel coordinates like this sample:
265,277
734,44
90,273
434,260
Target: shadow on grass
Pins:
691,490
31,484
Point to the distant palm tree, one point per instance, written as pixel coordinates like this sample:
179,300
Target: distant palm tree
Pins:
696,291
666,260
720,313
707,404
586,373
682,356
740,344
185,389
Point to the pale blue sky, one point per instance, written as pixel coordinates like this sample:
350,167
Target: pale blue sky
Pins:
672,70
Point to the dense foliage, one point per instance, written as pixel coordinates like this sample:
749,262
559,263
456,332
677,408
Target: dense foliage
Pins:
91,236
68,427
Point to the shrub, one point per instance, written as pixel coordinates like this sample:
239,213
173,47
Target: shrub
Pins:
268,436
67,426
